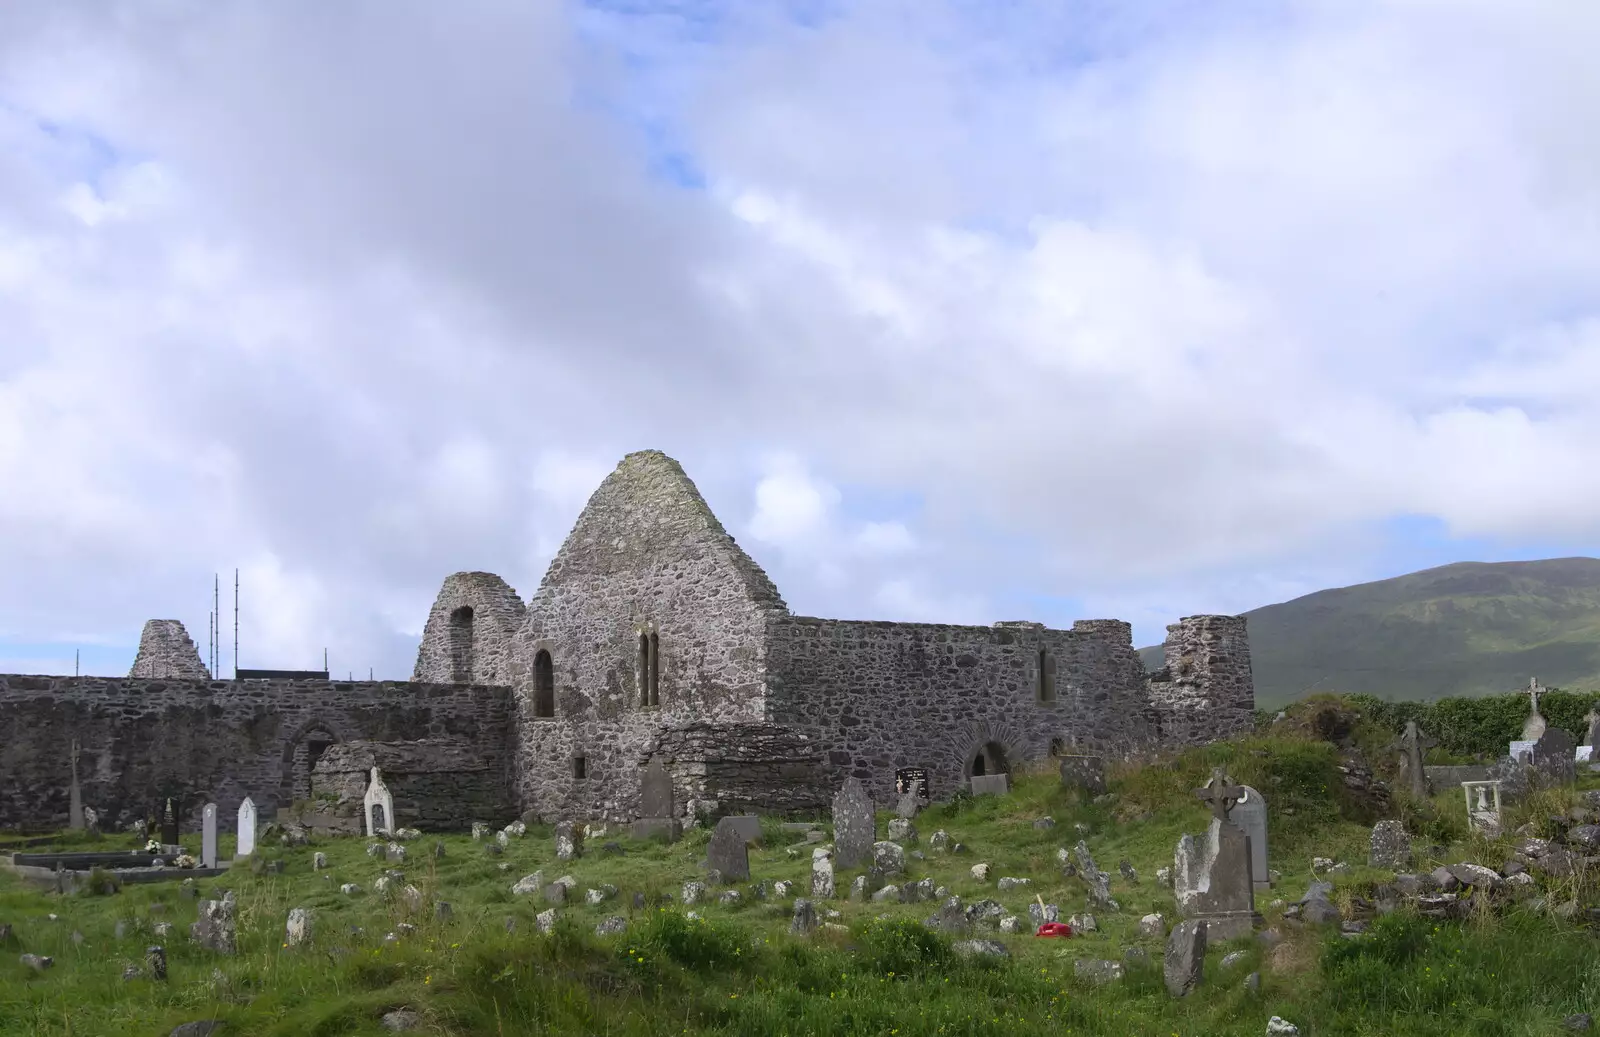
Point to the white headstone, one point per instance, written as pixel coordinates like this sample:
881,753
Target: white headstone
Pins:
378,796
1584,753
1521,748
1250,813
208,836
247,828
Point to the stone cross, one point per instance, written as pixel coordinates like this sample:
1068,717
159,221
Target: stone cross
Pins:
1535,725
1220,794
1412,745
208,836
1533,692
1592,718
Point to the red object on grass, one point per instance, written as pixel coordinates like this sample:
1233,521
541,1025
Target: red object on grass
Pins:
1054,929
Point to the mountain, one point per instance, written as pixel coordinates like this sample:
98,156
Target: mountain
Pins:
1472,628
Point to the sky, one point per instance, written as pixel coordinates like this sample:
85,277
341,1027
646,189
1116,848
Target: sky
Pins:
955,310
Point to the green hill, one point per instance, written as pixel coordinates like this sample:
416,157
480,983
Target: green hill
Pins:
1472,628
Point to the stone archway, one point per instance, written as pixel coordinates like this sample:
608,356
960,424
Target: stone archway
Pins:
301,752
990,758
990,749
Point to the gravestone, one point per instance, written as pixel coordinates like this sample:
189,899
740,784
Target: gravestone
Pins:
727,852
1213,880
75,818
747,825
1591,722
1483,806
377,806
169,824
1412,745
990,784
1520,750
657,812
1535,725
1085,773
1250,814
1554,757
1390,846
208,836
854,825
247,828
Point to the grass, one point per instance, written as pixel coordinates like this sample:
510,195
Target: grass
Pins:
737,971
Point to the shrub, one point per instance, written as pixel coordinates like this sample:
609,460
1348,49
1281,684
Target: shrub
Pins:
902,947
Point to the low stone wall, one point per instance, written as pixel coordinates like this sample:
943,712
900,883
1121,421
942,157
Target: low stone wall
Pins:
438,785
219,741
1451,777
745,767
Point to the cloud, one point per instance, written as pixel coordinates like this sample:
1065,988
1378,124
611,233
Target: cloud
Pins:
1153,314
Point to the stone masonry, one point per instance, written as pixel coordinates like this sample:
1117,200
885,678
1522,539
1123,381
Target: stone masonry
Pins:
652,635
166,651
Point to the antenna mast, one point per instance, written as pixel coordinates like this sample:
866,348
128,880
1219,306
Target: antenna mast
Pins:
236,624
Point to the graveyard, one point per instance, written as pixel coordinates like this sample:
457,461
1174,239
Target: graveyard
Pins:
1281,882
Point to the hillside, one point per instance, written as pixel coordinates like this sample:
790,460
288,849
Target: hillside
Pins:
1472,628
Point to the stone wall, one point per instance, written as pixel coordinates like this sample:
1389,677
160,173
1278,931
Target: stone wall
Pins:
746,767
876,697
143,739
438,784
1205,691
167,652
468,634
646,560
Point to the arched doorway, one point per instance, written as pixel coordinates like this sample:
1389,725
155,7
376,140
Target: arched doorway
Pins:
989,758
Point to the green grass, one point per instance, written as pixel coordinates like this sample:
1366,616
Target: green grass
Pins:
737,971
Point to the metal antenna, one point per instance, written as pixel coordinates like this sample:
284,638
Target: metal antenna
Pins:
236,624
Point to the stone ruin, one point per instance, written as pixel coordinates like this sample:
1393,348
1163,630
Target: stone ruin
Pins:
652,635
167,652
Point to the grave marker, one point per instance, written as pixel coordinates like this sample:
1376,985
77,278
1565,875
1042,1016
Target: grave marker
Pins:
1250,813
378,807
247,828
208,836
1213,881
854,825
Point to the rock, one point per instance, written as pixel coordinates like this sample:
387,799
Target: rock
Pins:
198,1028
952,917
1126,867
822,886
988,912
1475,875
729,897
1390,846
394,852
1099,885
1277,1027
980,949
1039,913
887,894
1044,823
611,926
443,911
693,892
1578,1023
1098,970
1135,957
902,831
297,930
1252,983
1083,923
980,873
155,959
1233,958
1184,962
569,841
1011,924
37,962
402,1020
1006,884
319,861
215,930
1153,926
529,884
555,893
804,920
888,859
1164,876
545,921
940,840
1319,910
479,830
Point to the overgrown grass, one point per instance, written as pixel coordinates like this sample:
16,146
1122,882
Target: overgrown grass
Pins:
739,971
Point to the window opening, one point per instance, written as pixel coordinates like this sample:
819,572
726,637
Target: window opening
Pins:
544,685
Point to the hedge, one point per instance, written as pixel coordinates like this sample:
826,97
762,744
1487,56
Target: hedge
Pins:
1479,726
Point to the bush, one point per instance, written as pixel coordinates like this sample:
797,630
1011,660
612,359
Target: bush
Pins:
1477,727
902,948
694,943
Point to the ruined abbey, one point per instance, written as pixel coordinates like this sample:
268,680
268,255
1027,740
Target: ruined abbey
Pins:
652,635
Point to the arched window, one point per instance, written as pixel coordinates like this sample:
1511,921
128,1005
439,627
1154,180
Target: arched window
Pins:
644,668
544,685
458,644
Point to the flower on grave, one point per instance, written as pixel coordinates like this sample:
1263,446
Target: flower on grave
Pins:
153,846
